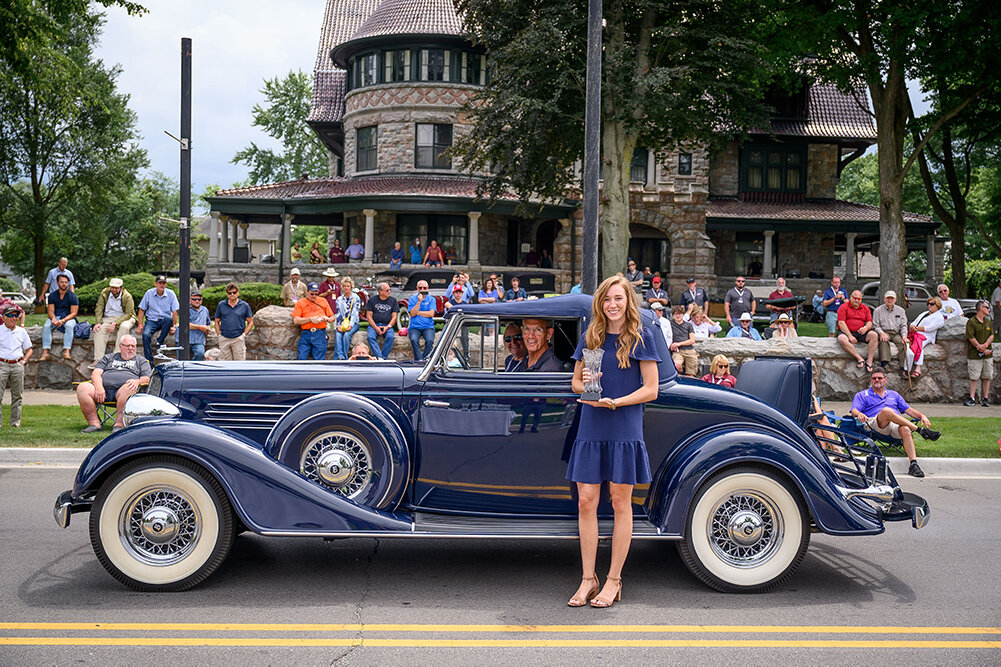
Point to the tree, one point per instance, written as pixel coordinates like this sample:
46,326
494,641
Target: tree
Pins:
67,138
284,119
880,44
674,73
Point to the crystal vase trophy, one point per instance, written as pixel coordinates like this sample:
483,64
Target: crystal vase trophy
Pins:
592,362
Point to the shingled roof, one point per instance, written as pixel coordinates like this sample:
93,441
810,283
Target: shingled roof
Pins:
411,17
328,96
331,188
833,210
831,114
340,20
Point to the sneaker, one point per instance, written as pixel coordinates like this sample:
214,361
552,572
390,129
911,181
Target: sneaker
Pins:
970,402
90,429
928,434
915,470
985,403
16,425
884,365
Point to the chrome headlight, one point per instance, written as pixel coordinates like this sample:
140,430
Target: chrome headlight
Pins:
141,406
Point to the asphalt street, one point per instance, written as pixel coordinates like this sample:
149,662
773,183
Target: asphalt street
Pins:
927,596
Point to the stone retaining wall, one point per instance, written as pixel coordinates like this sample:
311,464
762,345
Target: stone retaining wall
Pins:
835,376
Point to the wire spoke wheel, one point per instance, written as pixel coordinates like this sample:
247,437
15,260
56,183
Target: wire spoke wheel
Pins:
340,460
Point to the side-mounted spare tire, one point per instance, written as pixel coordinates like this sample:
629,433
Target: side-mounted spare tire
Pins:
346,443
747,531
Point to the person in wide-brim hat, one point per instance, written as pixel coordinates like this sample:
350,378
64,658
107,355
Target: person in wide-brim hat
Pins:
330,273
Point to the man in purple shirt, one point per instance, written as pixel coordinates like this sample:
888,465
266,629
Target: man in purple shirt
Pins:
355,251
883,411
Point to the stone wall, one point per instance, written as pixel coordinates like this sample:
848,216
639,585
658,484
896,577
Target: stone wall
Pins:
724,175
821,171
835,377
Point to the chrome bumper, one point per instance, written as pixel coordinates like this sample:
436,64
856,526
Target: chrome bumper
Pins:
893,504
66,506
880,492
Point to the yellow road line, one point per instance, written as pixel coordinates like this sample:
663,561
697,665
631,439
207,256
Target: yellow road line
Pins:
399,627
489,643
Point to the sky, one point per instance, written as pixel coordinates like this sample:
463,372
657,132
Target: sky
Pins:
236,44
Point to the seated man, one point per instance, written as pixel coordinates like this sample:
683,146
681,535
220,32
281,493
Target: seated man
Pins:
780,293
744,328
116,377
855,325
883,411
537,333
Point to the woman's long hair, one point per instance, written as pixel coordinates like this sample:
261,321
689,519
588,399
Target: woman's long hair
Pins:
632,331
716,361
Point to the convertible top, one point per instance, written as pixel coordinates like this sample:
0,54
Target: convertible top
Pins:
569,305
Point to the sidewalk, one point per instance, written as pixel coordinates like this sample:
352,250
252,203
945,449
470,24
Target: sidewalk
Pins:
49,397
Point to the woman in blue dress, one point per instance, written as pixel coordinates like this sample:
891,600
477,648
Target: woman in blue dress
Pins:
609,445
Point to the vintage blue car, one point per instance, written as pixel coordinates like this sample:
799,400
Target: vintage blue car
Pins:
455,447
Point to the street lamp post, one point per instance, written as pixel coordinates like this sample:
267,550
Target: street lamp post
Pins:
592,134
184,259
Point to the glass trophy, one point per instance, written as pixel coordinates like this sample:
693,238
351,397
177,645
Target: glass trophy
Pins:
592,362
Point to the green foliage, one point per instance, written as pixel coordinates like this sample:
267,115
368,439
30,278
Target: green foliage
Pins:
283,118
8,285
982,276
860,183
258,295
306,235
67,141
137,284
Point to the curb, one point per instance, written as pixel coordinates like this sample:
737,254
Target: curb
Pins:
64,457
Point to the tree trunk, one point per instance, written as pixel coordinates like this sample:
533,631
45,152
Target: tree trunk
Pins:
890,103
39,247
617,153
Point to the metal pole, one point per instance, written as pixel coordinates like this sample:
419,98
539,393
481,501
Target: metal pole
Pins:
592,135
181,339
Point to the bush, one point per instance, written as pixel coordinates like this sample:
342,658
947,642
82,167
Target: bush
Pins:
258,295
136,283
982,277
8,285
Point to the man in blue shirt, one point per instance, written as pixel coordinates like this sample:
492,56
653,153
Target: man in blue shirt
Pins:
744,328
60,270
157,312
63,307
882,410
355,251
422,309
199,324
396,256
233,321
832,299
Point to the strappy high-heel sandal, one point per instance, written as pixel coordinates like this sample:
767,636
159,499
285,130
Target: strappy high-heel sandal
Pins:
600,603
576,601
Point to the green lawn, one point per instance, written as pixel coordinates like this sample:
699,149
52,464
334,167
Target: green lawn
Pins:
59,426
812,329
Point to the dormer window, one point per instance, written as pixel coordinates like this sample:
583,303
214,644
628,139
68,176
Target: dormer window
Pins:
773,169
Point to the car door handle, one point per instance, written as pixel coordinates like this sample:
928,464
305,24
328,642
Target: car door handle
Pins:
435,404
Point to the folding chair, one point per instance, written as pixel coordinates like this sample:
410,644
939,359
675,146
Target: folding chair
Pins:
107,411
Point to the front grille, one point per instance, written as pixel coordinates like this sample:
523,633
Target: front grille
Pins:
155,384
244,415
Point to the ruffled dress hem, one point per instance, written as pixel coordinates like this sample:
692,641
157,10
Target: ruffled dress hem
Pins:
616,461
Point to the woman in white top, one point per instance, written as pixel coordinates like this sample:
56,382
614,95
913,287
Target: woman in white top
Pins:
926,324
784,330
705,328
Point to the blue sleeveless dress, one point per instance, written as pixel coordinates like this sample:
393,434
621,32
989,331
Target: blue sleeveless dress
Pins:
609,445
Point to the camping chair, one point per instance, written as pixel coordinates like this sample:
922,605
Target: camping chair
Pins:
850,427
107,411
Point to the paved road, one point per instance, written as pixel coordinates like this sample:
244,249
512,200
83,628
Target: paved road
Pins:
906,597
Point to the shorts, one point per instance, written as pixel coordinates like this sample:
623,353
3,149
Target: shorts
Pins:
980,369
688,358
892,429
831,318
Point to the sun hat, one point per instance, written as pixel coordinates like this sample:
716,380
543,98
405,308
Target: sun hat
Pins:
746,317
115,282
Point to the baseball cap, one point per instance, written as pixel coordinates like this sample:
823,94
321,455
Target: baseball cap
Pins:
890,293
657,306
457,288
746,317
115,282
690,279
161,278
655,280
196,293
12,310
295,272
313,287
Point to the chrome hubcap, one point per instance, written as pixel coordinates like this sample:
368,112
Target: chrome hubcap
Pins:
745,529
160,525
340,460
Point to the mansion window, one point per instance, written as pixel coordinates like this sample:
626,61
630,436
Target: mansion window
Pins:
433,142
367,148
773,169
684,164
396,65
435,65
473,69
367,70
637,168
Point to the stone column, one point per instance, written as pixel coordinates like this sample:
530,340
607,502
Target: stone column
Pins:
287,242
651,168
224,241
369,235
235,233
213,231
474,238
766,269
850,254
931,277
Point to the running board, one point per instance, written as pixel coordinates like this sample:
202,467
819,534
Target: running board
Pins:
442,525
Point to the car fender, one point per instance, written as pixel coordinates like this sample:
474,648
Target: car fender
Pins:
268,497
680,476
385,418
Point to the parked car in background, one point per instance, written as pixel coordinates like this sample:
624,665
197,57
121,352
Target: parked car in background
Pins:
454,447
535,283
18,299
915,299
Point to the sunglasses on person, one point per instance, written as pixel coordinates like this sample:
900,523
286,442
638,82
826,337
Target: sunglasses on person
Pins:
233,292
942,290
13,315
739,282
722,365
196,298
515,337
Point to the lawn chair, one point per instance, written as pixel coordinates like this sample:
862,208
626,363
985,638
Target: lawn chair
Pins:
107,411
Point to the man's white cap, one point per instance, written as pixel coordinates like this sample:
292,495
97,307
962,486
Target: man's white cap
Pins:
890,293
295,272
657,306
746,317
115,282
